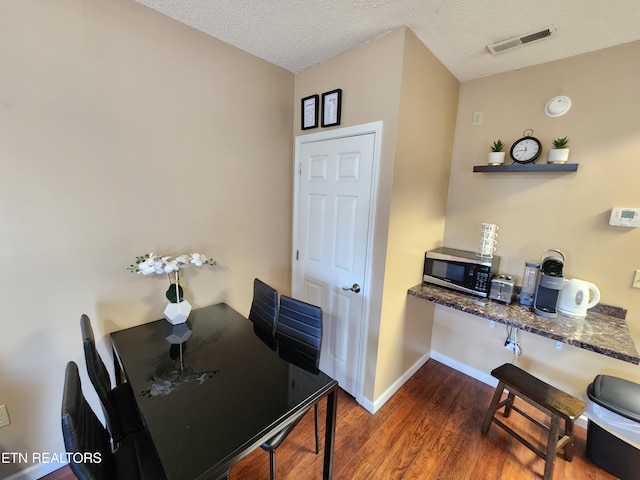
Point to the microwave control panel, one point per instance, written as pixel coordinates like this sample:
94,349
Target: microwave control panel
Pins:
625,217
482,278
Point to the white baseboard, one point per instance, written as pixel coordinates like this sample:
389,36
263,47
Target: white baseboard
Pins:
367,404
373,407
466,369
34,472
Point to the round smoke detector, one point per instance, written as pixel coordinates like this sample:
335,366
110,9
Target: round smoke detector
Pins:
557,106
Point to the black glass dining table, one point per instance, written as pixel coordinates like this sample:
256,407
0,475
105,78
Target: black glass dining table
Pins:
210,391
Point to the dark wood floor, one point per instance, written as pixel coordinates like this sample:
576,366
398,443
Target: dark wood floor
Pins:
430,429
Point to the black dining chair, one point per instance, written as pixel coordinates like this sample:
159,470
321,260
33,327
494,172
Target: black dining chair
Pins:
118,403
299,336
264,312
91,456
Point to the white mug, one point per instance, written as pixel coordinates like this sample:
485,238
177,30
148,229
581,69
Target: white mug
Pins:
488,236
486,252
489,226
486,244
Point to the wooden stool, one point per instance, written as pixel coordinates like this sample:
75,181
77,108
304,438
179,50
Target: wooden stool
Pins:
555,403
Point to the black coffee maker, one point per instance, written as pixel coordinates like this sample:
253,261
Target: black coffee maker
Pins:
550,282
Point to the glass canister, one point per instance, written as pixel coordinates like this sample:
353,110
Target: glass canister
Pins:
529,280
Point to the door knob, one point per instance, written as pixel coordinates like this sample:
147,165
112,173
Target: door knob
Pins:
355,288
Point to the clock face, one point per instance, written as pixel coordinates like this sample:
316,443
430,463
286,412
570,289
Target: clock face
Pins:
525,150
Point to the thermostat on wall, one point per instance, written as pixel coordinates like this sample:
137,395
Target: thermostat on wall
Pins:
625,217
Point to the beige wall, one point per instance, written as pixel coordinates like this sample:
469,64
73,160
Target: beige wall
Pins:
540,211
122,132
426,122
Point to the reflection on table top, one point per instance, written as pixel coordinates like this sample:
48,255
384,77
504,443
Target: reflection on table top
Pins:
605,333
223,394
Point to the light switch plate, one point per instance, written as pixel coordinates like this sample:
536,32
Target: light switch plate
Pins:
636,279
4,416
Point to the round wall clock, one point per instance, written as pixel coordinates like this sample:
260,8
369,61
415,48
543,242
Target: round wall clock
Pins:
526,149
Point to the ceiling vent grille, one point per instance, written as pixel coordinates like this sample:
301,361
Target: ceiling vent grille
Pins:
515,42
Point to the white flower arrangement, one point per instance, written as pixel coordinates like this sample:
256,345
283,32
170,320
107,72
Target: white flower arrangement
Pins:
152,263
178,309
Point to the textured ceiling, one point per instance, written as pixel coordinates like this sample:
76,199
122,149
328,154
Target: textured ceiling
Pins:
298,34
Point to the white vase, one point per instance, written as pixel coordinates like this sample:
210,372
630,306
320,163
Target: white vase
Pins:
557,155
177,313
496,158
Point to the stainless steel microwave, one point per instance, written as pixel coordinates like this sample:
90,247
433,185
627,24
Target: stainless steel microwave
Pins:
460,270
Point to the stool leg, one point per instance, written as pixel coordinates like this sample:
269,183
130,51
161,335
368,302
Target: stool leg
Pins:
493,406
507,408
552,444
568,448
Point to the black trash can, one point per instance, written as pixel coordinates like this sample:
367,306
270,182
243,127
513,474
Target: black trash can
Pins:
613,438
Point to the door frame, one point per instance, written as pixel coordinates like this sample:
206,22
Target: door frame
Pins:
376,129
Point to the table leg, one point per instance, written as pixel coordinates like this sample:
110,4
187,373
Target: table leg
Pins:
330,433
117,369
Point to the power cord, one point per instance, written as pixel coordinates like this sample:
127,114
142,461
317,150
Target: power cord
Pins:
512,344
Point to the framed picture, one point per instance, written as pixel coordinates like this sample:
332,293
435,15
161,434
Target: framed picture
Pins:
310,112
331,107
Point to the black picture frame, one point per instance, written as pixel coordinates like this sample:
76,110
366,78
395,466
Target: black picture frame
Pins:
331,107
309,112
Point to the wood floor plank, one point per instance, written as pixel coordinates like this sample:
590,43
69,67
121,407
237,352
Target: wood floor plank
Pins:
430,429
431,459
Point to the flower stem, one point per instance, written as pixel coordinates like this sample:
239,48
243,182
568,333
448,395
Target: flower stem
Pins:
177,286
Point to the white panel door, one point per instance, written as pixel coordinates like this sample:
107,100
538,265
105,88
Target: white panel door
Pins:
333,220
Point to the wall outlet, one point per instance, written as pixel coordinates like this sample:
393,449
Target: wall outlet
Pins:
4,416
513,346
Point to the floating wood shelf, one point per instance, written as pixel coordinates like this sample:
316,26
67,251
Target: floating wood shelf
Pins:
527,167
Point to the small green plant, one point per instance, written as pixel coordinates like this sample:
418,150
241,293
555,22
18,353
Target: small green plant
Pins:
497,146
561,142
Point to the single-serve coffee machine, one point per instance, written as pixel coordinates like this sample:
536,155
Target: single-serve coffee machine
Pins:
550,281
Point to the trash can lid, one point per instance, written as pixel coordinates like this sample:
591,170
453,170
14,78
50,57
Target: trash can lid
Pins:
616,394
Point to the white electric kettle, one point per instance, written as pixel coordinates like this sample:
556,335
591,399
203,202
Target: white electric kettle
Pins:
574,297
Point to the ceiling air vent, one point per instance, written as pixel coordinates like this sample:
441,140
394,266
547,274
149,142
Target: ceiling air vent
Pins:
516,42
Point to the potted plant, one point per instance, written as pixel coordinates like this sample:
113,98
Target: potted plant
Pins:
496,156
178,309
560,151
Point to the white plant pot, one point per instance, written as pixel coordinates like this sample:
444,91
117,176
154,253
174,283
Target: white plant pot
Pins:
557,155
496,158
177,313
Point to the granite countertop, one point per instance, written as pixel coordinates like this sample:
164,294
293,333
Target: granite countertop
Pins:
604,329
